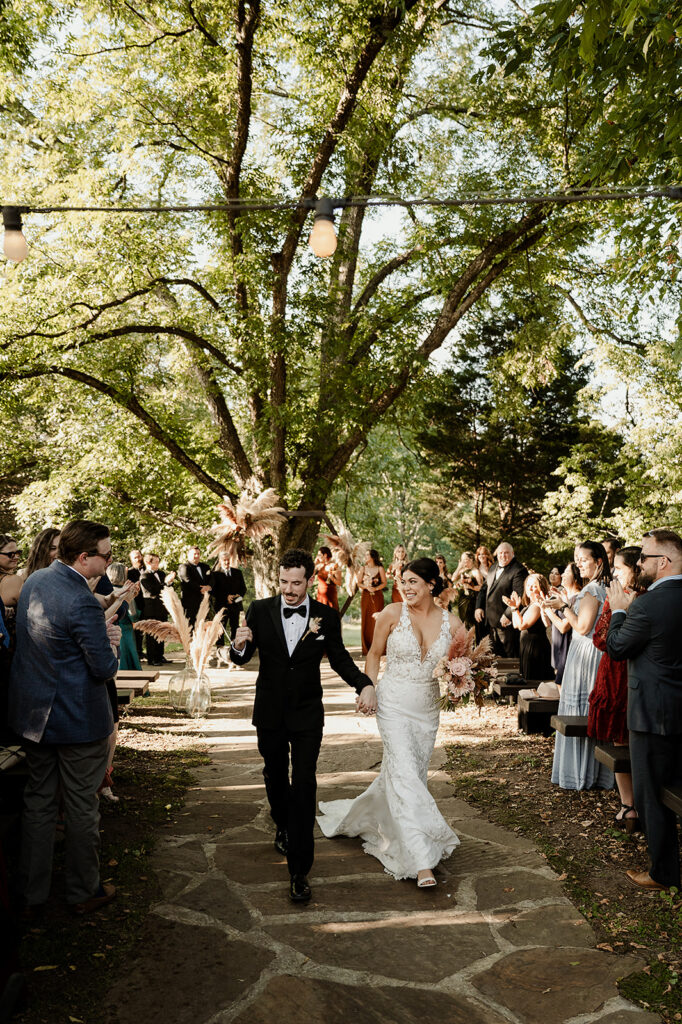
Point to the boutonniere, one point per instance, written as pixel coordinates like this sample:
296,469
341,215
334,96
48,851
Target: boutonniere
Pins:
313,627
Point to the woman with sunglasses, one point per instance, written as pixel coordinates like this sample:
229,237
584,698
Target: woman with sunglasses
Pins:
10,583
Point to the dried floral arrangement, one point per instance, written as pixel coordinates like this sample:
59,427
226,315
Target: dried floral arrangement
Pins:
349,555
198,642
466,670
249,519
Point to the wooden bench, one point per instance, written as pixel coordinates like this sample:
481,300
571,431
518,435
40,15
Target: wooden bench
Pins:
501,688
535,714
570,725
131,683
615,758
671,796
507,664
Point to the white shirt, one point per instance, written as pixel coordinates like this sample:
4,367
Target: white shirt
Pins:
295,626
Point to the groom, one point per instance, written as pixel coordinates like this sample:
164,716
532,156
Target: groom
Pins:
291,633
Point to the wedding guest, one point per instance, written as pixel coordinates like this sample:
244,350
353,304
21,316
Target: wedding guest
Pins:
59,705
10,582
607,717
554,577
647,633
395,572
571,585
43,551
502,580
152,582
328,577
442,569
371,581
467,581
535,652
574,765
194,582
484,560
228,589
134,573
611,546
128,659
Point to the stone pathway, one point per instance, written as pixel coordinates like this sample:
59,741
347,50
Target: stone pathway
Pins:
496,941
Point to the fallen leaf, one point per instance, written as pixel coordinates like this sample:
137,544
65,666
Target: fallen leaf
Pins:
46,967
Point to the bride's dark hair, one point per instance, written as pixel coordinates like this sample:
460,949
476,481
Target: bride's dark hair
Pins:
428,570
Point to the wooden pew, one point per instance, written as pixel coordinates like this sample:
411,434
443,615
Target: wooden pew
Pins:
615,758
570,725
671,796
535,714
510,691
131,683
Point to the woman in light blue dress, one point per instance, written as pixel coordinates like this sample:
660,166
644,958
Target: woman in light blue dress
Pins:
575,766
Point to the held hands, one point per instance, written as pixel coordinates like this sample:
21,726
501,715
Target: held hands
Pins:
619,599
366,701
242,636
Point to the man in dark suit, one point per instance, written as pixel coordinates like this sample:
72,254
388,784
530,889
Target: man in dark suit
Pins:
503,579
58,702
152,582
647,632
227,591
194,582
292,632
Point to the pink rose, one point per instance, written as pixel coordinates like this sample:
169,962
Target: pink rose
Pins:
459,666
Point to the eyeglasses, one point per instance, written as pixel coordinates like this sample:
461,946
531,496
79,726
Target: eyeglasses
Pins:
643,557
106,555
10,554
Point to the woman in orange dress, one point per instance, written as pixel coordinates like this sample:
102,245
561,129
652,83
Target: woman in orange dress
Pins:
328,577
395,572
371,581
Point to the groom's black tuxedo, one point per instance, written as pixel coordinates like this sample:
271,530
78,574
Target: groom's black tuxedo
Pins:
289,715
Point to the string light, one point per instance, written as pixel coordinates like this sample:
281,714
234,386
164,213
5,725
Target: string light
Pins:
14,244
322,238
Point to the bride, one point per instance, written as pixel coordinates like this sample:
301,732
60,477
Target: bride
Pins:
396,817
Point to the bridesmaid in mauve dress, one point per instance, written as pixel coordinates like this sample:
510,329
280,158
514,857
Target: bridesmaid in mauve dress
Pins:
328,577
395,572
371,581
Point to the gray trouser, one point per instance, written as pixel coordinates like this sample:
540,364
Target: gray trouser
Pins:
656,762
75,773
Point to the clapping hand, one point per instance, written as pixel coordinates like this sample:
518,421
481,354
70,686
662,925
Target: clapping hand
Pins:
619,599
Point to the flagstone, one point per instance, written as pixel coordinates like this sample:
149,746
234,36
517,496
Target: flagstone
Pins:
513,887
215,898
291,1000
373,893
555,925
549,986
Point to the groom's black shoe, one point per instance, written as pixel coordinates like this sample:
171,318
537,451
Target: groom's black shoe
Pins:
299,890
281,841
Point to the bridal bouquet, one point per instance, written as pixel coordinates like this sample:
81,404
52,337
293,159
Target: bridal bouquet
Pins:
467,669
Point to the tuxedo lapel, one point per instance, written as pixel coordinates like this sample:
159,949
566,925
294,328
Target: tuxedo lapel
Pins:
276,616
495,582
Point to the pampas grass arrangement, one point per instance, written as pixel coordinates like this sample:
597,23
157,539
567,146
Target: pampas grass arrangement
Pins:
198,642
249,519
349,555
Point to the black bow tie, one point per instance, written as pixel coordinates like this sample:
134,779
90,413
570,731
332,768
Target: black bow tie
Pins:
288,612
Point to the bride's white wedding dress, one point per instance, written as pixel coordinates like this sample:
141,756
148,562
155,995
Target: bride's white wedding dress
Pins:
396,817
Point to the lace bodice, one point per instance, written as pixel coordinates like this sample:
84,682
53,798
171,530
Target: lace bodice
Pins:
404,662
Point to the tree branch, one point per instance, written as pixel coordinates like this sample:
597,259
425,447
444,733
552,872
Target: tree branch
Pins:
594,329
229,438
133,406
202,28
132,46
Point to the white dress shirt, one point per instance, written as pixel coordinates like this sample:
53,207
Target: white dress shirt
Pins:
295,626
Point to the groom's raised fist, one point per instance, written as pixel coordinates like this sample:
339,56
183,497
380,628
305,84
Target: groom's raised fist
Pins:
242,636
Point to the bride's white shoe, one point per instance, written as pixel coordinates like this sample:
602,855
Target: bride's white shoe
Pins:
425,879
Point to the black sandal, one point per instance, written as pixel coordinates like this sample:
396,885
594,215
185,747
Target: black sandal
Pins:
628,825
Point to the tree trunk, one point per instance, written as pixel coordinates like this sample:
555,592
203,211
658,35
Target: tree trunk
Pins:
298,532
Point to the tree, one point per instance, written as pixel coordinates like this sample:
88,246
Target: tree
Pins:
245,360
505,414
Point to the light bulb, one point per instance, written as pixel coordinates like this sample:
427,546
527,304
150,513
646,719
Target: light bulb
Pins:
323,237
14,246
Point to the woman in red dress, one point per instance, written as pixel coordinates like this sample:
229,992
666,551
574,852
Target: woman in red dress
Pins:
395,572
371,581
607,716
328,577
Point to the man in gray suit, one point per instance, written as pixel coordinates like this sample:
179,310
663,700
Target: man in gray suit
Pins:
58,703
647,633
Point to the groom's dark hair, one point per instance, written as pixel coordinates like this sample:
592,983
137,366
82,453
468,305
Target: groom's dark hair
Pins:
297,558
